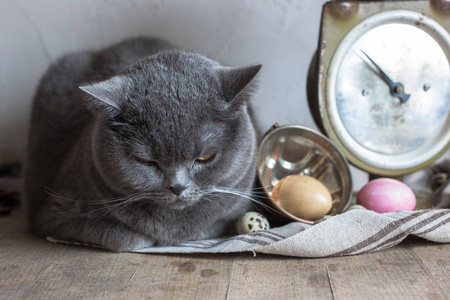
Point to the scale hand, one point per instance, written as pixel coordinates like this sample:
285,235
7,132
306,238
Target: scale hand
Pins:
396,88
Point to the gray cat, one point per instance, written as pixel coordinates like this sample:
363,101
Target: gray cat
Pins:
139,145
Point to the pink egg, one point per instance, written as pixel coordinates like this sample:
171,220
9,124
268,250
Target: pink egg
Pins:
386,195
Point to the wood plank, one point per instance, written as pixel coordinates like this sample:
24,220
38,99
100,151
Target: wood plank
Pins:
32,268
394,273
274,277
436,259
179,277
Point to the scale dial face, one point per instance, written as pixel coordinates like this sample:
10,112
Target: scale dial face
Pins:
388,93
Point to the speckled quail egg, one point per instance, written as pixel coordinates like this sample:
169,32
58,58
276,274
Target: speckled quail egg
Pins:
251,222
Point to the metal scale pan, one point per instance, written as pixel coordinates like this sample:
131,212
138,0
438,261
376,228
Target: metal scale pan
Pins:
294,149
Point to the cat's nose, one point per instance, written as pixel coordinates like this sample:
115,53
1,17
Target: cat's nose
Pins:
177,189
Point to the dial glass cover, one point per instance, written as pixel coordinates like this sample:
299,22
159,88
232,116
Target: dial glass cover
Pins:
374,122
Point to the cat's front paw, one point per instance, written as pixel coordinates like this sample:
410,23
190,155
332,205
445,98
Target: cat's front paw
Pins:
131,243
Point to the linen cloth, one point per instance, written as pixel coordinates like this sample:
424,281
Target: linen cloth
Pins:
350,233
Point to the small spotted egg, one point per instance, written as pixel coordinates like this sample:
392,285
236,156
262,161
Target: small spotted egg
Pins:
251,222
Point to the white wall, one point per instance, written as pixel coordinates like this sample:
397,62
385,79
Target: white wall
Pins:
280,34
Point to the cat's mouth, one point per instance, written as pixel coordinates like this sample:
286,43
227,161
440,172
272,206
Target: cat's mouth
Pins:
181,202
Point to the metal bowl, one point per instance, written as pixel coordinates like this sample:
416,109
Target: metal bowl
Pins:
294,149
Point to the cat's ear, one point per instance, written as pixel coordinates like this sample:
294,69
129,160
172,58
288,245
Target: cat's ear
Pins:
106,95
237,81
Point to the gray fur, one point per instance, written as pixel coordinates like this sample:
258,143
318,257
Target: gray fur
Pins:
115,135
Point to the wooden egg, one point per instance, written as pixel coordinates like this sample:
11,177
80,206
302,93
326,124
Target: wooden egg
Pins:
384,195
302,196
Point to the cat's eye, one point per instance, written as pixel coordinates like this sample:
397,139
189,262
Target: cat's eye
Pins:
147,162
206,158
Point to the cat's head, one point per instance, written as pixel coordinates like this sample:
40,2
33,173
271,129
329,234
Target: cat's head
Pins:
174,126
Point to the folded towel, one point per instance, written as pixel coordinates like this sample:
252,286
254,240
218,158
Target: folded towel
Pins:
350,233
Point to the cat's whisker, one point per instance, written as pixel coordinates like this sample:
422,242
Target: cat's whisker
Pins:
135,196
240,192
93,222
256,202
53,193
106,201
261,188
244,195
101,210
126,204
207,199
105,211
110,205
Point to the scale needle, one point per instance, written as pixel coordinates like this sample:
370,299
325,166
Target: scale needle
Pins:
396,88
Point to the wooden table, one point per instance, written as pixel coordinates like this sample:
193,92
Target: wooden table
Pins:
32,268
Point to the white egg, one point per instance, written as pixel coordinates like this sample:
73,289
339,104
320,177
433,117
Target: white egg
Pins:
251,222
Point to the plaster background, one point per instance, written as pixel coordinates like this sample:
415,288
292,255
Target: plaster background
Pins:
281,35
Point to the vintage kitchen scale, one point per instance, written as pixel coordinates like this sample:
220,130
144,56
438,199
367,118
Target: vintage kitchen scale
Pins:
378,88
380,84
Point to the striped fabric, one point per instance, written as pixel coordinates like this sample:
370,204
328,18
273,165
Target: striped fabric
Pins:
354,232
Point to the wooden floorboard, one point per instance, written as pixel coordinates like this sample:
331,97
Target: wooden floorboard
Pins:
32,268
436,261
389,274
